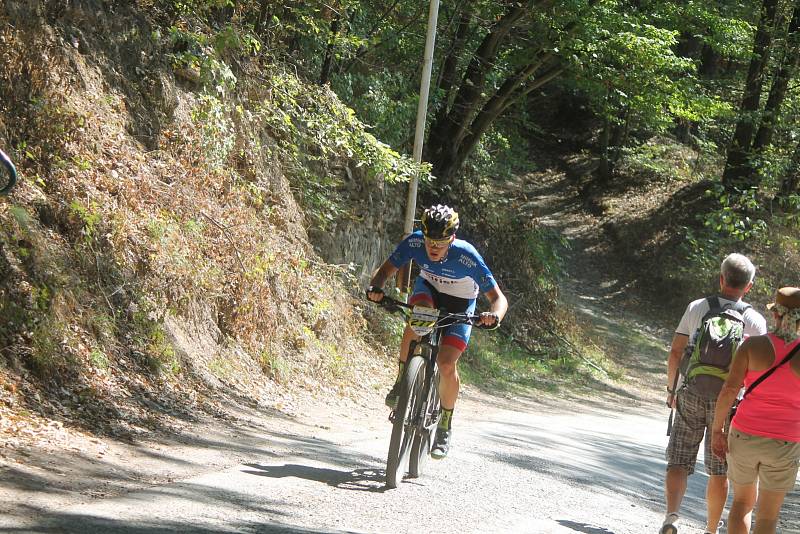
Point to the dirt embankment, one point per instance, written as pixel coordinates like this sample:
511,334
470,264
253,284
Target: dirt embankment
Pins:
155,263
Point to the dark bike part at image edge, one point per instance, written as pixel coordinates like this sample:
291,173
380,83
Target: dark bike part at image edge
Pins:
11,171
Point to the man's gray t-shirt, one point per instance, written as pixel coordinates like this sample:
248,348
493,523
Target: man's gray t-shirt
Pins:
754,322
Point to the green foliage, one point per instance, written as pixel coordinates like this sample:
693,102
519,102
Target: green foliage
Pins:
385,99
221,367
730,220
499,362
542,247
724,26
90,217
629,69
736,223
198,55
502,153
316,129
47,355
216,128
276,366
98,358
661,159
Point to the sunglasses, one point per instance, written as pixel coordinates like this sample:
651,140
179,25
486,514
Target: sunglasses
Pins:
437,243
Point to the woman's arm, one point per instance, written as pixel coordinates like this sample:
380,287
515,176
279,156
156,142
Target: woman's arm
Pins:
731,387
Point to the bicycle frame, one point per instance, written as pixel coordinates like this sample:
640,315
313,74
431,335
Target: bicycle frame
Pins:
429,350
418,410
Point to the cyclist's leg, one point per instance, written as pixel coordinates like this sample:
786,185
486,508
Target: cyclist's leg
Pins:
454,341
449,384
452,345
449,381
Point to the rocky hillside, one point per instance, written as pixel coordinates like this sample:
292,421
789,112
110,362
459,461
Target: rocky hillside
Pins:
156,251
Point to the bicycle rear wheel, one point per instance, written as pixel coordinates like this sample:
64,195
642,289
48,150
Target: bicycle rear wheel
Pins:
423,439
404,427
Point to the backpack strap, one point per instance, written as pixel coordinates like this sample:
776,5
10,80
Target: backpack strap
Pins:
714,307
741,307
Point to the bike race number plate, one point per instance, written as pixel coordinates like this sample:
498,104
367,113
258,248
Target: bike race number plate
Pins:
423,319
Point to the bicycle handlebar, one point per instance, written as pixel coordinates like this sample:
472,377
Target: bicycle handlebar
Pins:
394,305
12,173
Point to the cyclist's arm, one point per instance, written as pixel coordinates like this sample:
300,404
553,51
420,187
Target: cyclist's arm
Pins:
384,272
499,307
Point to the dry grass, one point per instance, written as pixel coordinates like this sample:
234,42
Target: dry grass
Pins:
108,244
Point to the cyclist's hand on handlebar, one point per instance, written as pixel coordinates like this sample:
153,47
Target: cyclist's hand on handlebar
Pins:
489,320
375,294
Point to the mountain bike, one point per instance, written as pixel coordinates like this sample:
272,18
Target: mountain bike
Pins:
12,174
418,411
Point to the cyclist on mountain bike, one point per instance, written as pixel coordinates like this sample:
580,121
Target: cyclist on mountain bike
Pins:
452,273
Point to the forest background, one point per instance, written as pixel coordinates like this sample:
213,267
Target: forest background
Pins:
206,184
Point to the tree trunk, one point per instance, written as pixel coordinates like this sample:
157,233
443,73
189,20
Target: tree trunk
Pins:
456,154
454,134
710,62
780,84
604,169
736,172
327,64
448,78
450,126
791,182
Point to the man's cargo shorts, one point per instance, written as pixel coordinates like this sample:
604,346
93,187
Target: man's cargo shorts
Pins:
693,417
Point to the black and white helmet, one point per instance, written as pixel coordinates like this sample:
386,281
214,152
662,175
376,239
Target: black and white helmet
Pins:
439,222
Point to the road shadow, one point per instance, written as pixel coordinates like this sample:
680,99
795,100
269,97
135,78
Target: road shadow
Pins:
78,475
617,464
216,504
65,523
583,527
371,480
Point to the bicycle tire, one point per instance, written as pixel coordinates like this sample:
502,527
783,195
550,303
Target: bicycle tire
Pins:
423,440
10,170
403,428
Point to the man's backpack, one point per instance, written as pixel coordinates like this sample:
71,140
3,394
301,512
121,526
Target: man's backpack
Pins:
707,359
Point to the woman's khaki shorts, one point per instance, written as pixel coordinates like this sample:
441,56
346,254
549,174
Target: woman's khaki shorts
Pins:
773,462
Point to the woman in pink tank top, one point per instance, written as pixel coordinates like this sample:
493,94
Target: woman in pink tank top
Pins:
762,446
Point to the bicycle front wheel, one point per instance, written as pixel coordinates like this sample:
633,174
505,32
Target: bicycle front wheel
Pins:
430,413
404,427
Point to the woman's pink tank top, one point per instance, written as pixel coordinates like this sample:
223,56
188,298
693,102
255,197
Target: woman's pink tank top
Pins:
773,408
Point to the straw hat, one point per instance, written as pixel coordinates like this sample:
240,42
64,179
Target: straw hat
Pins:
788,297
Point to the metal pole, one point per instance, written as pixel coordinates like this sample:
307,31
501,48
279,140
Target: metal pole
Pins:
422,111
404,276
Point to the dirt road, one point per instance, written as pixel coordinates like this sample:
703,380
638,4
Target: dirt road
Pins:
534,466
516,467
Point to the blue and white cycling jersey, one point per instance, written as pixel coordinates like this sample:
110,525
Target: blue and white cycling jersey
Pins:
462,273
